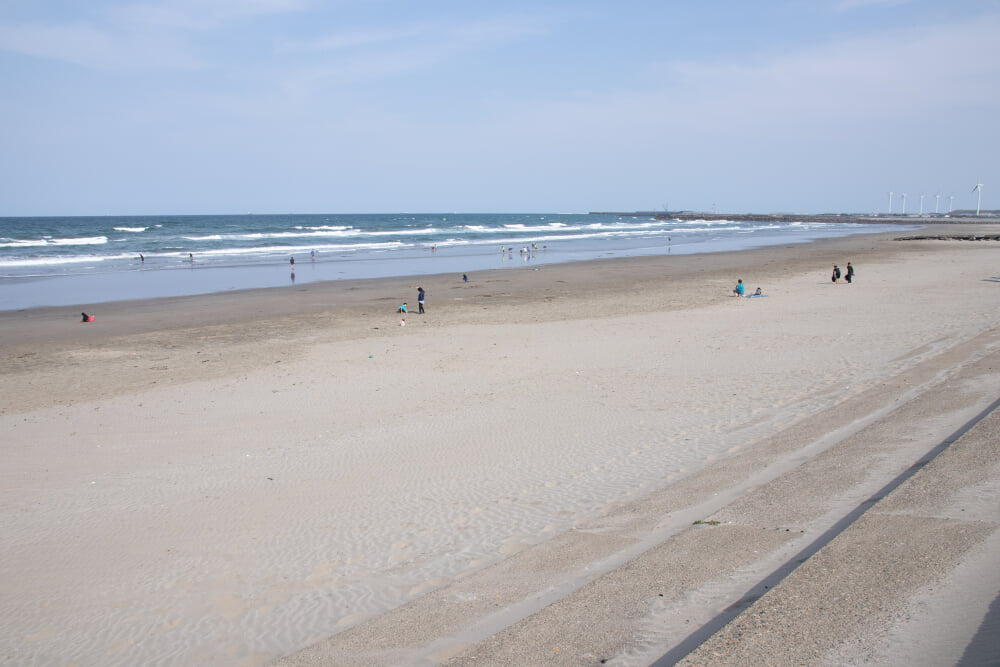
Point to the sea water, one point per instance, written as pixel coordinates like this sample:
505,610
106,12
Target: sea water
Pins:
62,261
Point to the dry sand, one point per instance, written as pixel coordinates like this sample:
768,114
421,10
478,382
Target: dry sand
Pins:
511,478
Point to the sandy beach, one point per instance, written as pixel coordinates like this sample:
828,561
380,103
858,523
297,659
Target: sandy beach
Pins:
291,476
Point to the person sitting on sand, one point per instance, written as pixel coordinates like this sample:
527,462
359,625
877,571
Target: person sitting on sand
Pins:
758,292
740,289
401,309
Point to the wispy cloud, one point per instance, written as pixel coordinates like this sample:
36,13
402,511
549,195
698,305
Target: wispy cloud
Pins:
361,56
88,46
201,14
449,34
879,75
847,5
348,40
134,37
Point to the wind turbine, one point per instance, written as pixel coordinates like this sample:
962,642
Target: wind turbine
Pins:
937,200
951,203
904,202
890,202
921,204
979,186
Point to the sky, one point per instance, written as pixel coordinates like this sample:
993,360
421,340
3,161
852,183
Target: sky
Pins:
115,107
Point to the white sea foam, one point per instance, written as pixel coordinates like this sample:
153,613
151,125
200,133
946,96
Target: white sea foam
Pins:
86,240
14,262
130,229
332,232
14,243
29,243
286,250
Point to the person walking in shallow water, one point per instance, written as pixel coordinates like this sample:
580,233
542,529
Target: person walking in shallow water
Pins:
420,300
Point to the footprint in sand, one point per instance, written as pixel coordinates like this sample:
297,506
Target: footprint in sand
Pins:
118,647
351,620
513,548
231,606
322,572
428,585
167,627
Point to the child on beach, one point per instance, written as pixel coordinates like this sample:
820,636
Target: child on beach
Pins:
740,289
401,309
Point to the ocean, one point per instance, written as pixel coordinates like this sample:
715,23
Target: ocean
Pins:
63,261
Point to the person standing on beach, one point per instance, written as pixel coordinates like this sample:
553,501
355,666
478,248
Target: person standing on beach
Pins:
835,278
420,300
849,276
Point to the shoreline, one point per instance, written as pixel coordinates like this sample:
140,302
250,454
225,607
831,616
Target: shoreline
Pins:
154,279
232,478
359,295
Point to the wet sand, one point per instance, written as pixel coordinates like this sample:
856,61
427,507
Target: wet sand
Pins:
511,478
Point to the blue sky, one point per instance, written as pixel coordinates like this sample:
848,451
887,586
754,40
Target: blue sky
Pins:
286,106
